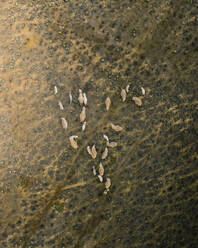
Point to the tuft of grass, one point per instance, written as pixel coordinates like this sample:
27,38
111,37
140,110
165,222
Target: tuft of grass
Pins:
59,206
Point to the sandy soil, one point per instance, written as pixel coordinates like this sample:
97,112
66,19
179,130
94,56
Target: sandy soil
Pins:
48,194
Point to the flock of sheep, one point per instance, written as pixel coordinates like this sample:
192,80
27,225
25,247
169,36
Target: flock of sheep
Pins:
82,99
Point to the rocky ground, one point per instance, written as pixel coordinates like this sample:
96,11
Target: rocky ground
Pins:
48,194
